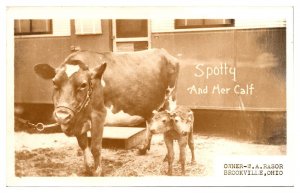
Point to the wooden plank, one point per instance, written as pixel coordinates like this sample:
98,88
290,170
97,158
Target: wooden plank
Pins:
123,137
120,132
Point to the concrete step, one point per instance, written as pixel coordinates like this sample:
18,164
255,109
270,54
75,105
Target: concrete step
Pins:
123,137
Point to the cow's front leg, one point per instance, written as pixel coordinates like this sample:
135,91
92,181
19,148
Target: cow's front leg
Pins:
83,144
96,140
147,142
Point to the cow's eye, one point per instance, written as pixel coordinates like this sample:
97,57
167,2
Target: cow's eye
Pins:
164,120
83,85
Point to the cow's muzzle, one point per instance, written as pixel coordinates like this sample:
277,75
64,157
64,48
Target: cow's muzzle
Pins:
63,115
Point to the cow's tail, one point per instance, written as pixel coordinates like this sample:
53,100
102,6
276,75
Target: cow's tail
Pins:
172,77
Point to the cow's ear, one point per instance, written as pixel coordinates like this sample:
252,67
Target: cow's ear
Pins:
97,72
45,71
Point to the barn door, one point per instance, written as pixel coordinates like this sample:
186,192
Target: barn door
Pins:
131,35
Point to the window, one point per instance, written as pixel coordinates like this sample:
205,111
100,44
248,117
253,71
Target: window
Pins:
88,26
131,28
33,26
202,23
131,35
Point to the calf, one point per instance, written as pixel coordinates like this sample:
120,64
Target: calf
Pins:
176,125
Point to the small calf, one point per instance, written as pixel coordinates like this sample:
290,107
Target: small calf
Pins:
176,125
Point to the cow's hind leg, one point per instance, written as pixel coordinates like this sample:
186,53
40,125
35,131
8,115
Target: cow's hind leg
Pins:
147,142
83,143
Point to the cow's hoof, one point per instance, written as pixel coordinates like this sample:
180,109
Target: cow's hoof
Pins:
170,173
88,173
143,149
97,172
193,162
88,169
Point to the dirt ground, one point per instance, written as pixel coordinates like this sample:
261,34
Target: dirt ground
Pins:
59,155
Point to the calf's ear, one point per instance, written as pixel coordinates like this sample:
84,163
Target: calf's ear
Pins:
44,70
98,71
190,115
171,113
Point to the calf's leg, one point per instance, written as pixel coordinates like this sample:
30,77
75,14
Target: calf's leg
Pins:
169,145
182,142
191,146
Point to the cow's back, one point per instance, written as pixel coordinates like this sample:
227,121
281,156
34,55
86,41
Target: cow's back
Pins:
134,82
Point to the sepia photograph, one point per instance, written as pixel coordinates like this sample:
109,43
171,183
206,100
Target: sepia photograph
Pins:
191,96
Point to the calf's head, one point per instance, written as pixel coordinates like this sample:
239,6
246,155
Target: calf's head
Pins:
183,121
177,120
73,88
161,122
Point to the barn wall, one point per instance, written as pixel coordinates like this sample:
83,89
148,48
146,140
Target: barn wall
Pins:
29,88
254,126
259,57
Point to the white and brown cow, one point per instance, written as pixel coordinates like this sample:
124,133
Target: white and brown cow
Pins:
88,84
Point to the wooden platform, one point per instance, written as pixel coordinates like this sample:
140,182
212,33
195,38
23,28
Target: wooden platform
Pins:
123,137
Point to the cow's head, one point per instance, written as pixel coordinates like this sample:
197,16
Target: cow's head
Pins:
73,87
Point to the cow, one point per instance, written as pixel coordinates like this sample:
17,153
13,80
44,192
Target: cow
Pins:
175,125
89,84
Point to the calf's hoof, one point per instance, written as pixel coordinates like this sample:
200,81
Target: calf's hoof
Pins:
166,158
